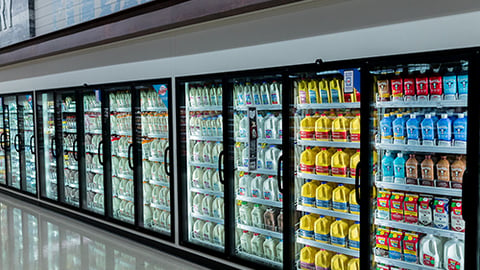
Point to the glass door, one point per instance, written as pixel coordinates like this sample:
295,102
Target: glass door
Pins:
69,147
3,147
326,135
27,126
47,151
258,151
155,159
93,128
121,145
13,141
420,130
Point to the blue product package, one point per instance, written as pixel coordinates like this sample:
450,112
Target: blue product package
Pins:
462,81
399,128
460,128
450,86
387,167
444,129
413,128
399,166
428,130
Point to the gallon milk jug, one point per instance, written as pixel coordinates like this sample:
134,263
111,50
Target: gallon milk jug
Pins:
261,156
276,93
257,245
453,255
257,216
270,126
308,193
322,229
246,242
339,262
219,234
431,251
198,152
354,236
265,94
197,229
307,161
207,152
271,157
307,258
217,207
323,196
256,94
208,231
243,127
323,128
197,178
307,226
340,163
257,187
269,247
279,251
339,129
323,161
269,219
270,189
207,178
340,197
339,233
323,259
354,264
307,128
197,203
207,205
216,184
245,213
244,185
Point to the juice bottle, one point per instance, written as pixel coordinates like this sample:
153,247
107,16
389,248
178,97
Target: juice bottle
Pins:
339,129
354,264
324,196
313,92
355,129
384,91
458,169
412,167
387,168
460,130
307,257
462,83
308,193
322,229
340,198
340,163
303,92
323,128
340,262
421,83
399,169
323,162
397,88
354,160
307,128
386,128
339,233
307,161
336,92
307,226
323,259
399,131
354,206
324,91
354,236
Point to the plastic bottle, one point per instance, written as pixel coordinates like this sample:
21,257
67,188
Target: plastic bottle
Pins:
323,196
339,262
450,85
279,251
244,185
219,235
257,100
386,128
462,83
399,169
271,157
324,91
454,255
431,251
245,214
323,128
207,152
307,257
218,207
313,92
353,264
307,226
388,168
270,126
207,205
308,193
261,157
207,232
340,198
213,96
205,96
198,152
399,131
279,127
307,128
276,93
257,187
355,129
247,90
427,167
354,160
269,219
336,91
460,130
270,189
323,259
436,85
323,162
280,221
303,92
444,130
216,184
257,216
257,244
322,229
352,203
340,128
413,130
340,163
197,203
307,161
265,94
269,247
428,130
243,127
246,242
354,236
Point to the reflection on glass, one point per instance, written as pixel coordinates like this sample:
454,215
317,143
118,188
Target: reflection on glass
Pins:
13,137
33,241
156,188
48,143
93,141
69,130
17,235
122,159
3,171
29,139
52,257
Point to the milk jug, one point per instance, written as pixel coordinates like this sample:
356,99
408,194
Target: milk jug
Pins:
340,163
323,259
276,93
340,198
208,231
265,94
243,127
217,207
197,178
270,189
307,226
323,196
207,205
323,161
322,229
261,157
256,94
270,126
216,184
308,193
307,128
307,258
198,229
197,203
279,251
257,216
257,245
246,242
453,254
339,262
244,185
399,169
271,157
198,152
431,251
323,128
207,179
245,213
269,247
307,161
339,129
353,204
355,129
207,152
257,187
219,234
354,160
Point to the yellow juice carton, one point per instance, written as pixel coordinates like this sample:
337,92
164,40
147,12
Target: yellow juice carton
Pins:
307,257
308,193
307,226
323,259
340,197
324,91
323,196
313,92
307,128
354,264
339,233
340,163
339,262
354,236
336,91
354,206
354,159
323,162
323,128
322,229
307,161
340,128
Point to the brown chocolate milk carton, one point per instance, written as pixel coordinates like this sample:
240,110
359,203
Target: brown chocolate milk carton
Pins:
411,171
458,169
443,173
427,171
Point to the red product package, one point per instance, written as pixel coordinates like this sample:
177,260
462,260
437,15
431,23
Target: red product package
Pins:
383,204
410,208
436,87
382,242
422,86
456,217
396,206
409,86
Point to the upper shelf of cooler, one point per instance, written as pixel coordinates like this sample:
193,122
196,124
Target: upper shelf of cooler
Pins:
346,105
422,104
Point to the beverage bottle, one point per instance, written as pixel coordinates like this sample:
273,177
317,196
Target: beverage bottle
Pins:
323,196
355,129
431,251
353,204
307,161
246,242
207,152
454,255
247,90
245,157
354,236
197,203
421,83
271,157
427,168
219,95
269,248
323,162
279,251
386,128
444,130
307,226
313,91
207,205
279,127
339,233
399,169
458,170
413,130
270,189
388,168
322,230
340,198
399,132
257,244
265,93
257,187
219,235
450,85
462,83
324,91
261,157
208,232
270,126
307,128
436,85
340,163
245,214
303,92
307,257
280,221
269,219
213,96
198,152
323,259
384,91
257,216
428,130
397,87
323,128
308,193
198,229
409,87
443,169
243,127
354,160
257,100
411,167
192,96
205,96
336,91
216,184
276,93
218,207
244,185
340,128
353,264
460,130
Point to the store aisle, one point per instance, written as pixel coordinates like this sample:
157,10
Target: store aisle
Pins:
35,238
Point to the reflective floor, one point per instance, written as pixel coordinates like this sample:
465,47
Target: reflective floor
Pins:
34,238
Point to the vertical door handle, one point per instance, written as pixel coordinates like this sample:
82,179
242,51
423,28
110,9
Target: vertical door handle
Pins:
54,152
31,145
17,142
279,166
220,176
100,160
2,141
165,155
75,155
129,156
357,182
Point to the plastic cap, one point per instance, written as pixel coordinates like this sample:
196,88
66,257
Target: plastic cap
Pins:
399,115
428,116
386,115
340,114
444,115
413,115
461,115
307,114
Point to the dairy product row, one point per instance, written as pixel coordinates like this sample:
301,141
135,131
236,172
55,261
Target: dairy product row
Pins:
325,90
267,156
95,200
337,128
69,122
207,205
120,122
206,95
154,171
156,194
444,169
422,209
260,187
260,216
424,86
264,93
120,100
428,129
330,196
209,232
154,123
327,230
120,166
158,218
206,152
94,181
123,208
122,187
93,122
428,250
314,258
268,125
154,148
206,178
206,124
323,161
259,245
91,102
92,142
151,99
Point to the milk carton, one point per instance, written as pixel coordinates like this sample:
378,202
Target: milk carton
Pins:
410,247
425,213
441,213
456,216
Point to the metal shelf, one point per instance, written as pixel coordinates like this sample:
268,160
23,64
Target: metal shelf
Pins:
347,105
95,132
70,130
422,148
159,183
258,171
207,218
126,198
269,107
160,206
162,135
313,243
420,229
70,111
260,259
93,110
96,190
330,213
260,201
155,159
121,110
327,178
75,168
72,185
355,145
205,108
123,133
96,171
207,191
203,165
154,109
124,176
421,189
422,104
206,138
270,141
402,264
253,229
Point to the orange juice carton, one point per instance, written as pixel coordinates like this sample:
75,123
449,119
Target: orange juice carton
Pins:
395,245
410,208
410,247
458,223
381,240
396,206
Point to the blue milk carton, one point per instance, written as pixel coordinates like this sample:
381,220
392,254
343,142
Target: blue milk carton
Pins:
462,84
399,132
413,130
387,168
450,85
399,169
428,130
460,130
444,131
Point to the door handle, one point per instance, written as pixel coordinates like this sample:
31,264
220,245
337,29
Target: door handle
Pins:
16,141
54,152
75,155
279,163
357,182
2,141
98,152
220,176
31,145
165,155
129,156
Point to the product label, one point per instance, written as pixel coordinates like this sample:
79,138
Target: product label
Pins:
398,130
269,165
409,86
354,208
265,100
339,135
242,191
427,173
355,137
340,206
382,238
397,87
354,244
308,201
396,206
280,196
268,133
256,99
308,266
457,174
460,131
335,95
303,97
322,170
444,132
443,173
339,241
313,96
441,213
275,99
383,205
324,204
321,268
436,86
458,223
410,247
453,264
323,135
425,211
256,193
307,234
307,135
395,244
422,86
428,260
410,208
413,131
324,238
342,171
267,195
324,96
304,168
248,99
